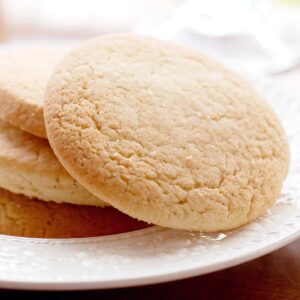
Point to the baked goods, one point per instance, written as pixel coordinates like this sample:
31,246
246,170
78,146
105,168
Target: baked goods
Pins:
28,166
165,134
21,216
24,73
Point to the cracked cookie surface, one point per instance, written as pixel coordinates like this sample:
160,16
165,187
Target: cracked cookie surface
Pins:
24,73
165,134
21,216
28,166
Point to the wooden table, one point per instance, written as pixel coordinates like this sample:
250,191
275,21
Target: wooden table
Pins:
275,276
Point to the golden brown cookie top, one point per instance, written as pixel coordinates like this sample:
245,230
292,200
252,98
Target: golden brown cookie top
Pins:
24,73
165,134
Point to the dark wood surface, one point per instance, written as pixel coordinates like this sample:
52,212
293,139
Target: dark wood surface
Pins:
271,277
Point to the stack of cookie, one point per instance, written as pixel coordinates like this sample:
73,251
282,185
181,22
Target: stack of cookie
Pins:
161,133
29,169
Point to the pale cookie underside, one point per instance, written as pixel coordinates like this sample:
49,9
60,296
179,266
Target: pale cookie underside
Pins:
21,216
28,166
24,73
165,134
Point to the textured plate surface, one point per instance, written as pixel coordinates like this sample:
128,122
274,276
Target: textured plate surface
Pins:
155,254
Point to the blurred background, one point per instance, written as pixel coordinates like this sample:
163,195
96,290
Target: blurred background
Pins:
260,36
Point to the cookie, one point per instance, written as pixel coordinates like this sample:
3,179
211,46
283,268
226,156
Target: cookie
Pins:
28,166
21,216
24,73
165,134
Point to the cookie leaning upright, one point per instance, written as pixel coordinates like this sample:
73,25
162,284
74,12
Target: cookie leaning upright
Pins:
165,134
24,73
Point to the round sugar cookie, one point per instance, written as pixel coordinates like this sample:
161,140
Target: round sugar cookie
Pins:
24,73
165,134
28,166
21,216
